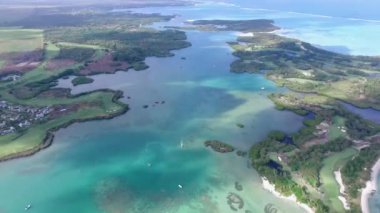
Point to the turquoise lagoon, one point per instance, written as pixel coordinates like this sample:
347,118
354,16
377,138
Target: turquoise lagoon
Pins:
346,35
135,162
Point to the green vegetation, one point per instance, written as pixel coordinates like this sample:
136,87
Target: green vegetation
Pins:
90,37
76,53
259,25
77,45
21,50
219,146
318,149
313,165
304,68
126,46
335,130
102,104
20,40
357,171
310,161
277,172
329,185
82,80
50,18
241,126
359,128
303,163
62,44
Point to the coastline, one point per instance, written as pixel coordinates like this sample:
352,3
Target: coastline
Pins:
371,185
49,138
338,178
271,188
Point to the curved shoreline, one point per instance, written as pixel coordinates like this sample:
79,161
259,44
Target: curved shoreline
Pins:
49,138
342,188
271,188
371,186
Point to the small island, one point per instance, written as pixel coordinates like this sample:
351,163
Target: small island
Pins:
219,146
81,80
257,25
241,126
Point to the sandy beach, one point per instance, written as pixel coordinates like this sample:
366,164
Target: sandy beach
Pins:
370,186
271,188
241,34
338,178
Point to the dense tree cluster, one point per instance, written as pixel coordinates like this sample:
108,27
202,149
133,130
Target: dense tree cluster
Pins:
358,169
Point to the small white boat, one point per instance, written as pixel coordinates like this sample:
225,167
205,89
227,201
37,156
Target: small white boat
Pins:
180,186
182,144
28,207
262,88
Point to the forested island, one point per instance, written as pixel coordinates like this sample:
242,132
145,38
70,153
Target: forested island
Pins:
333,139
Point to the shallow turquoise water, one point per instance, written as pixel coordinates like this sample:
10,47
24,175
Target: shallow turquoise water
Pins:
134,163
346,35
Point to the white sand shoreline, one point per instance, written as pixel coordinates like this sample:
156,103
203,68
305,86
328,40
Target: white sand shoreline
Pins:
271,188
338,178
371,185
242,34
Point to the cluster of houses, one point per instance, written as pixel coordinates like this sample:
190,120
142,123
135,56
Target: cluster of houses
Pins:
17,117
322,130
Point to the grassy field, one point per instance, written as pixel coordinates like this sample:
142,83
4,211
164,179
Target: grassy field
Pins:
360,92
70,44
48,101
334,131
102,104
304,68
329,185
51,51
20,40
